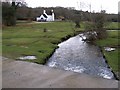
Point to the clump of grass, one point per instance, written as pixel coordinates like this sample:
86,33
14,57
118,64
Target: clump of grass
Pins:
45,30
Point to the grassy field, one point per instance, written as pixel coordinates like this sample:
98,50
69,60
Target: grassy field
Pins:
112,41
30,39
112,25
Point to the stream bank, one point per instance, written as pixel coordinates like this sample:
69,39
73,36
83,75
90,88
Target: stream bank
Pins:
114,73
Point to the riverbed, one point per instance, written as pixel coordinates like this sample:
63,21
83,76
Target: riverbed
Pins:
81,57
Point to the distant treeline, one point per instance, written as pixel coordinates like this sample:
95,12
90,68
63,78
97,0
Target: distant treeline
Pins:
27,13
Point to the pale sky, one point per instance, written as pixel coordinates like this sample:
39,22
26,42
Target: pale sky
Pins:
111,6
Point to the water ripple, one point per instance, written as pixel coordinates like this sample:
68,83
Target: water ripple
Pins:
79,56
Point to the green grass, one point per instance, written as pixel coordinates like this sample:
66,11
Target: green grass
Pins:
112,58
112,25
111,41
29,39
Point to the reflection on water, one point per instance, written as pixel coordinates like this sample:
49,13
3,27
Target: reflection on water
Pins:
79,56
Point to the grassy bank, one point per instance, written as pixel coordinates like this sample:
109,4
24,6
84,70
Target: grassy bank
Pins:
30,39
111,41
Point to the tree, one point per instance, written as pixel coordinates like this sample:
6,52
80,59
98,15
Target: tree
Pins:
95,28
29,15
100,23
9,12
76,18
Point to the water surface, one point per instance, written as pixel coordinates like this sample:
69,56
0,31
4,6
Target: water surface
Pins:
79,56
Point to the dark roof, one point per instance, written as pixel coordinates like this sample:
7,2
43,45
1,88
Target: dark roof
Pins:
45,16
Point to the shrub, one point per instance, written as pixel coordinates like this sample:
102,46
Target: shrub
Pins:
95,28
77,24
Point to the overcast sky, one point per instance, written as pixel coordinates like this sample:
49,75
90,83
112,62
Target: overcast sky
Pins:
111,6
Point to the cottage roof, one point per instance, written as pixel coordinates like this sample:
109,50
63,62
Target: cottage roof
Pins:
45,15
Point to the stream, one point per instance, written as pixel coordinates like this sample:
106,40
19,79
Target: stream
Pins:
81,57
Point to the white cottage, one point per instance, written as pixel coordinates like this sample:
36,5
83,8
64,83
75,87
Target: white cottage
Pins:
46,17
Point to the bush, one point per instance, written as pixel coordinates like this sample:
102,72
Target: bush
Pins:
101,33
89,26
96,29
77,24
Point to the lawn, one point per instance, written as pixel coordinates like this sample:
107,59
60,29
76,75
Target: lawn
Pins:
112,25
30,39
111,41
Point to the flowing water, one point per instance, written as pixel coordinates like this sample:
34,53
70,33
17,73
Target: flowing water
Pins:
79,56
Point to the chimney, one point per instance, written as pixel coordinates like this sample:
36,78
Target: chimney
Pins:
53,16
44,11
52,10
